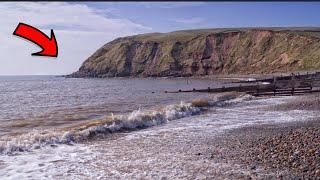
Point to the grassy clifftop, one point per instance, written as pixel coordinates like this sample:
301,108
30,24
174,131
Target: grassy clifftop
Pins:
206,52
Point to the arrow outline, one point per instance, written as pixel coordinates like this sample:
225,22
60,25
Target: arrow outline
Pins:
50,38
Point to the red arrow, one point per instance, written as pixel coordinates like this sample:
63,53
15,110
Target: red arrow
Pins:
49,45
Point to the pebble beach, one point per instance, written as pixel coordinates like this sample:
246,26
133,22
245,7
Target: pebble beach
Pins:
251,138
285,150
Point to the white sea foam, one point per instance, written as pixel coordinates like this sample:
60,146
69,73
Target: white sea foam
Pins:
135,120
158,150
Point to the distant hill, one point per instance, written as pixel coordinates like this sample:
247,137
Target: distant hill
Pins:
207,52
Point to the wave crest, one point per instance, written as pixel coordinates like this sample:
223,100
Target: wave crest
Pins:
135,120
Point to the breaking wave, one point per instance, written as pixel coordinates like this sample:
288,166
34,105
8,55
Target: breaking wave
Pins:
116,123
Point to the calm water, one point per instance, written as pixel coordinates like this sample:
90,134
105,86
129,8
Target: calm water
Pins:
42,102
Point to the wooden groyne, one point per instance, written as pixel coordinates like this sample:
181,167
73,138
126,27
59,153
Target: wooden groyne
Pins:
276,86
298,76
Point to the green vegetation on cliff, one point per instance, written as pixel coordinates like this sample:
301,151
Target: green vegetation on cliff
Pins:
207,52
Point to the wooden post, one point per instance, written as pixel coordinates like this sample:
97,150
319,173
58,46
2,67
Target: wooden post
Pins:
274,85
292,91
293,83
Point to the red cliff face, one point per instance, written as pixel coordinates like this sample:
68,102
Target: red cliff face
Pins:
206,52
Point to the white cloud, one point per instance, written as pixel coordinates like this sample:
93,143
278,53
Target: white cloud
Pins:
194,20
79,29
171,5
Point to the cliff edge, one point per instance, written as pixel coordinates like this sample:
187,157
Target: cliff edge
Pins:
206,52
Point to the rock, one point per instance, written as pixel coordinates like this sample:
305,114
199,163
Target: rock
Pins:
204,52
53,145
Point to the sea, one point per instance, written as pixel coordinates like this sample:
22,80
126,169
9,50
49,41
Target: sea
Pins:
119,128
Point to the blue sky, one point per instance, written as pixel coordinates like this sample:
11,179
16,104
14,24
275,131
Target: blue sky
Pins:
81,28
165,17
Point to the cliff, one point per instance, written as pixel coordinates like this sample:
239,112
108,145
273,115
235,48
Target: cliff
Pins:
207,52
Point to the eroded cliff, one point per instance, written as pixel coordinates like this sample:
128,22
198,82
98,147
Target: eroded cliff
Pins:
206,52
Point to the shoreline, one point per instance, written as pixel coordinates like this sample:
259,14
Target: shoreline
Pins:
284,150
203,153
212,76
213,144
